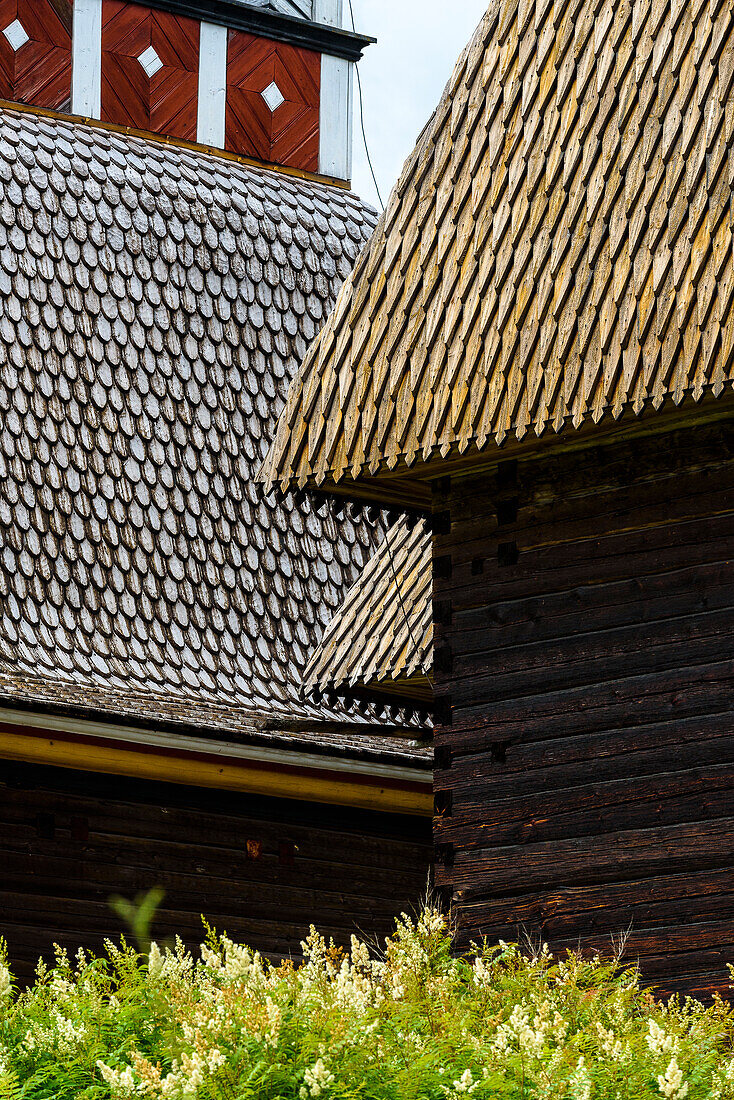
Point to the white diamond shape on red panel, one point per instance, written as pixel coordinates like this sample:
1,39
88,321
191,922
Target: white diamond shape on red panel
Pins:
273,96
150,61
16,34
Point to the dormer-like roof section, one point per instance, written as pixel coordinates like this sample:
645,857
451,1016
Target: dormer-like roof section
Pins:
557,252
379,644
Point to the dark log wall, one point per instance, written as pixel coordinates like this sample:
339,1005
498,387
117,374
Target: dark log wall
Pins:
585,677
261,868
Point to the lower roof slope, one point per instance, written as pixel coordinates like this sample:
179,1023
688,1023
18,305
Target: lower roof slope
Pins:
154,304
380,642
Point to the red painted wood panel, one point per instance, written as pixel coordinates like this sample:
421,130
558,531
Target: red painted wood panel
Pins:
166,101
288,135
39,71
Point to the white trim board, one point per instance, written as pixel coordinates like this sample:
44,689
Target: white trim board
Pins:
329,12
335,142
212,106
86,60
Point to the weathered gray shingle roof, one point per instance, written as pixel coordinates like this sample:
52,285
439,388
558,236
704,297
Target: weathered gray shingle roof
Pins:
154,305
381,639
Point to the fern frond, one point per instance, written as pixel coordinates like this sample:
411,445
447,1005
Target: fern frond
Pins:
10,1087
222,1087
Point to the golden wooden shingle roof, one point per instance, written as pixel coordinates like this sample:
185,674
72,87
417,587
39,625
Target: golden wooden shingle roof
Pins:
381,639
557,251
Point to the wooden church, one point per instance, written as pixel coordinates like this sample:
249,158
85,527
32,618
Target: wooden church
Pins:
536,352
175,224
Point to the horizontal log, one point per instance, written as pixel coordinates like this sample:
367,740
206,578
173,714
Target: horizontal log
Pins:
634,471
600,558
561,811
547,747
592,660
655,948
624,703
228,838
570,521
609,858
556,766
629,465
608,907
126,868
640,601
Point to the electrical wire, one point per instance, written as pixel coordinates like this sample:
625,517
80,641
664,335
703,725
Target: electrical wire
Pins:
361,120
388,544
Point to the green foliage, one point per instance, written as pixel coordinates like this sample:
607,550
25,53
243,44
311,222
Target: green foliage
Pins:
139,915
415,1023
10,1087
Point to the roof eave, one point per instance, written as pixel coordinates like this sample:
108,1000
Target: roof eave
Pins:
409,488
411,693
104,748
335,41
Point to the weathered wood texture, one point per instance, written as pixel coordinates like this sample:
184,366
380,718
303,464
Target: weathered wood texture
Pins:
584,610
165,98
287,130
558,249
381,638
38,71
263,869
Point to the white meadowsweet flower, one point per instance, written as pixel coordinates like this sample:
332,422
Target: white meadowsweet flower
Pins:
6,983
318,1078
659,1041
466,1083
155,961
121,1082
69,1037
215,1060
530,1035
192,1074
610,1044
671,1083
431,922
481,973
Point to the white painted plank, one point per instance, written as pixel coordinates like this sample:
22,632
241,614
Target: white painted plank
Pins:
212,85
328,11
86,72
335,146
300,8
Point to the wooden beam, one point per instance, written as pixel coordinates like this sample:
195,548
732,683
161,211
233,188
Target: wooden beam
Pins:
312,779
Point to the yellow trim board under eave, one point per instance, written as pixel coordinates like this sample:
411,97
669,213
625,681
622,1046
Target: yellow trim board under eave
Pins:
196,769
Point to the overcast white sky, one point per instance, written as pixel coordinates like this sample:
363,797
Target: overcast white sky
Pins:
418,42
